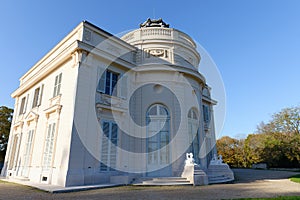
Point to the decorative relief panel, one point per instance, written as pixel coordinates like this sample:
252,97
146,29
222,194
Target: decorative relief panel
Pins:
87,35
157,53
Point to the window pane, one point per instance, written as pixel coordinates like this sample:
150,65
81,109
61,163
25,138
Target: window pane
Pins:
22,105
107,83
195,115
190,114
106,129
153,111
36,97
114,80
163,111
101,84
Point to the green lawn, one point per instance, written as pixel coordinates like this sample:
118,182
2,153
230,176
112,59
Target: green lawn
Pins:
295,178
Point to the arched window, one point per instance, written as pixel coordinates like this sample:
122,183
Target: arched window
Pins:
193,132
158,130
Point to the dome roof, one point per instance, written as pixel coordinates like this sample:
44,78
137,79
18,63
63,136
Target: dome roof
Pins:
159,43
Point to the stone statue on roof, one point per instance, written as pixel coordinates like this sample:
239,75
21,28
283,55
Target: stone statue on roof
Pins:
154,23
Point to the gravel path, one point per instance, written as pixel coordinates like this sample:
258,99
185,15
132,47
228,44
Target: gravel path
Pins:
249,183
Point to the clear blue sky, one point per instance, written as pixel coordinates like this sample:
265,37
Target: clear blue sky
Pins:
255,44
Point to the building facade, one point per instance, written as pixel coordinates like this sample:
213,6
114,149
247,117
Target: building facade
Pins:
101,109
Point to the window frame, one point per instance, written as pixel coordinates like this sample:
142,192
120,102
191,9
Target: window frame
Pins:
37,96
156,140
57,85
49,147
206,114
107,167
28,149
23,105
193,132
119,90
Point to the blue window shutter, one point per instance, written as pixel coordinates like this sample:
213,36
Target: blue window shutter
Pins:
101,82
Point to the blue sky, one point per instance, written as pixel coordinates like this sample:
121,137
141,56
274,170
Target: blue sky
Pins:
255,44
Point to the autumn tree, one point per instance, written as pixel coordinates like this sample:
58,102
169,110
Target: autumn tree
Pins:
287,121
276,143
254,145
232,151
5,123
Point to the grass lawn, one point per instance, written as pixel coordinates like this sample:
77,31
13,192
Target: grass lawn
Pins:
295,178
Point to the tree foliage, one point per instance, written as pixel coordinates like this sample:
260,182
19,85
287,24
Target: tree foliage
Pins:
6,115
276,143
231,151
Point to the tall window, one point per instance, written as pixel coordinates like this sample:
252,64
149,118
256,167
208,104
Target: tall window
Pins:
109,146
108,82
48,147
57,85
22,107
193,125
206,113
27,155
37,98
158,136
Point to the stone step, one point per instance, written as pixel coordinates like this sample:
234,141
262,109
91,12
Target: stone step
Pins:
219,179
165,181
225,180
150,183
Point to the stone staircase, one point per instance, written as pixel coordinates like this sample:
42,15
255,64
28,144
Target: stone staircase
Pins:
219,174
219,179
163,181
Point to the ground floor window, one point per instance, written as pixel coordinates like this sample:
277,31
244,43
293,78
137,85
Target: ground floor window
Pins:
27,154
193,129
109,145
48,147
158,129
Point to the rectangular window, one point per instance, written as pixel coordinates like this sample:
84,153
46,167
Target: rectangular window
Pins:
109,146
206,114
108,82
27,155
22,107
37,98
48,147
57,85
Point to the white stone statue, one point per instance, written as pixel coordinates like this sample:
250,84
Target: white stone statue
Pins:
189,160
220,160
216,160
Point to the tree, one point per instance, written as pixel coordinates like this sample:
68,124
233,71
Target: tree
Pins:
254,145
6,115
232,151
281,145
286,121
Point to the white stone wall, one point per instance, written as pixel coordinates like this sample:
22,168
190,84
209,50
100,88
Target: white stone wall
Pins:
79,109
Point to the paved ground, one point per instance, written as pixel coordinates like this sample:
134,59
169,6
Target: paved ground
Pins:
249,183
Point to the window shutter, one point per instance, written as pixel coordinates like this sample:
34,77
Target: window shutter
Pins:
26,102
55,87
40,94
101,82
31,105
105,146
123,86
59,84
